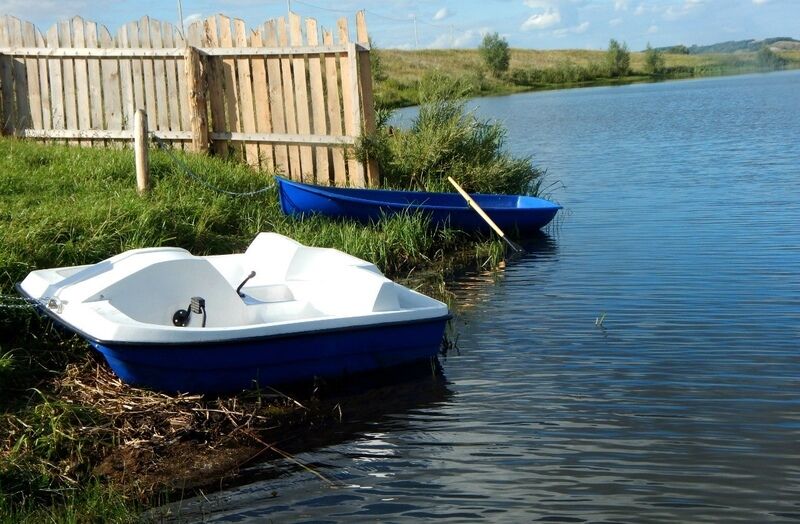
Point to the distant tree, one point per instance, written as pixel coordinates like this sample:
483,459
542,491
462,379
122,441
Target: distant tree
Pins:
653,60
678,50
495,52
769,59
618,58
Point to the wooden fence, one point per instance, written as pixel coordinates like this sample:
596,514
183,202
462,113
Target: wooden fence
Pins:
272,96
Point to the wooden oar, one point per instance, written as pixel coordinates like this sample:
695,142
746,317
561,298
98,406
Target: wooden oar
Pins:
474,205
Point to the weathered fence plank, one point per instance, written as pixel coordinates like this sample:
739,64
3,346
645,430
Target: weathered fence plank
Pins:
56,82
35,103
334,112
159,77
95,79
231,84
350,103
261,103
277,104
289,101
81,77
367,99
216,90
23,108
301,96
171,71
127,99
245,78
148,67
7,81
47,115
68,68
110,72
183,88
322,169
197,108
138,99
196,75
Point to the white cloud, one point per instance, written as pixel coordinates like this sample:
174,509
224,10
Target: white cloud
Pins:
548,18
51,10
640,10
620,5
614,22
653,29
441,14
192,18
468,38
760,2
675,12
578,29
540,4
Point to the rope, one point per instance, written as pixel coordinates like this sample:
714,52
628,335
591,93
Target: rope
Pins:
14,302
187,171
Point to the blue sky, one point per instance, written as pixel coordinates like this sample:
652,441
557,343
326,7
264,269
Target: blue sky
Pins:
541,24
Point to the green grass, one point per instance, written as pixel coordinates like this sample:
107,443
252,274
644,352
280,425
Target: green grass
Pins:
529,69
91,502
62,206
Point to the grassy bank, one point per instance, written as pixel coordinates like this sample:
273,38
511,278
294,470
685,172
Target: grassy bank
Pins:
398,80
75,443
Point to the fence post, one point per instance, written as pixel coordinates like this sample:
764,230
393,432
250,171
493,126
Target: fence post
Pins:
198,112
141,152
367,99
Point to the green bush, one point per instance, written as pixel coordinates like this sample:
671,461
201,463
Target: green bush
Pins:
678,50
768,59
618,58
495,52
653,60
565,73
443,141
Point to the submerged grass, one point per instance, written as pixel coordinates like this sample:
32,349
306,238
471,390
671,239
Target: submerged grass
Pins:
71,435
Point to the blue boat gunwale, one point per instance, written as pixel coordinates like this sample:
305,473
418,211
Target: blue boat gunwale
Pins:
329,192
217,342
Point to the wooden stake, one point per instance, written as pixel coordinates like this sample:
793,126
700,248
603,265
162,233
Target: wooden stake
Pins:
141,153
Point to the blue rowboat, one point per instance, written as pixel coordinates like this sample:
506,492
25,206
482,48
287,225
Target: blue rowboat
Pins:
278,313
512,213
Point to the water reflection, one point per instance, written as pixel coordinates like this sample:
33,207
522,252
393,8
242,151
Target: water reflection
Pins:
479,287
373,407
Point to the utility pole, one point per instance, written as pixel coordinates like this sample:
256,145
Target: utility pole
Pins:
288,7
180,17
416,37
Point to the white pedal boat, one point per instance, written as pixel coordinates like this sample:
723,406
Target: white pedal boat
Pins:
169,320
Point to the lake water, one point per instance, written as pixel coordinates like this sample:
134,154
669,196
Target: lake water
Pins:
681,231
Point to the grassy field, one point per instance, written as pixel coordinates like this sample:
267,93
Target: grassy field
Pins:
62,414
400,71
